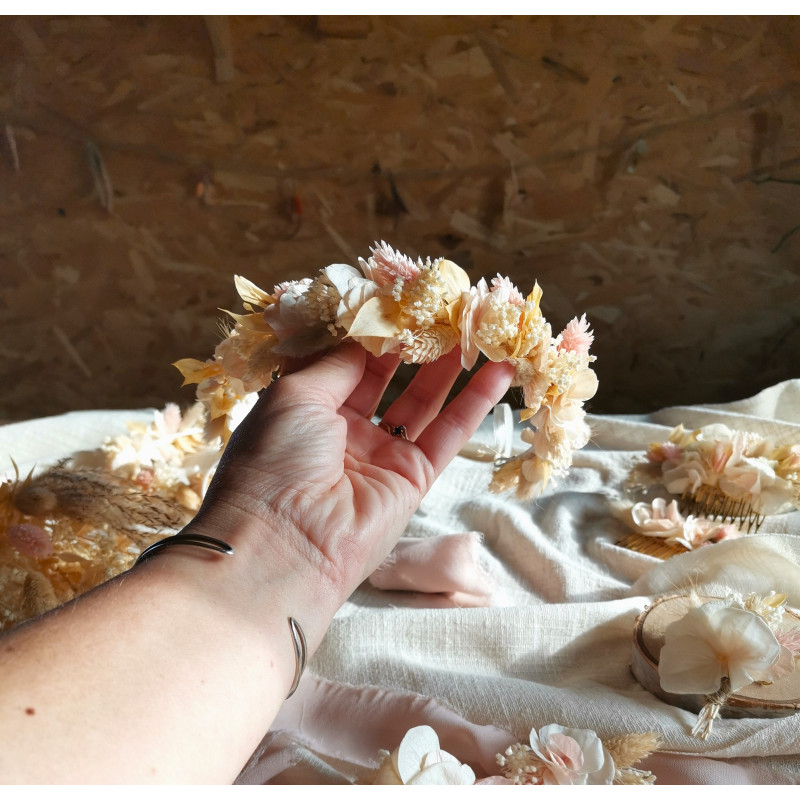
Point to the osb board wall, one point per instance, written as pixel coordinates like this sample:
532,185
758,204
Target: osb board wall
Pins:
644,170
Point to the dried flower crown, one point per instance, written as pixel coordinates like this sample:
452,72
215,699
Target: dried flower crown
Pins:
419,310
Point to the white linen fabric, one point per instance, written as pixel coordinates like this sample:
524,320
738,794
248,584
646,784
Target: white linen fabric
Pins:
555,644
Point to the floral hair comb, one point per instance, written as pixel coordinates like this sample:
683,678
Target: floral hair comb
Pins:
724,483
419,310
728,475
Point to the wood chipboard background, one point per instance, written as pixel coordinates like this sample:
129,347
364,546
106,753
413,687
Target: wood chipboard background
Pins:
645,170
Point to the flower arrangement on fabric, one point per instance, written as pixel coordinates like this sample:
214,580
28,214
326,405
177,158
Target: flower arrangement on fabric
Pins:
736,654
555,756
727,474
664,522
85,519
419,310
726,481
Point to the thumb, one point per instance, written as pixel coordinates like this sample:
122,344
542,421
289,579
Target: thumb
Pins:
331,379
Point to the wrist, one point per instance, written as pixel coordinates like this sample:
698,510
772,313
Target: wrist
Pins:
257,588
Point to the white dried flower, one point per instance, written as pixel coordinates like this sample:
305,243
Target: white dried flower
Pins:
418,761
712,642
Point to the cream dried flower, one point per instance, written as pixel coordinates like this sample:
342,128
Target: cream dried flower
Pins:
419,761
713,642
474,303
427,345
507,290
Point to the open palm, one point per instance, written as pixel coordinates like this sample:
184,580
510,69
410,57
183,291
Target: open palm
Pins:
338,488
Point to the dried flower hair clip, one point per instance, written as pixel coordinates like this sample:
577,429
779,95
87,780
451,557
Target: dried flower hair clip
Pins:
419,310
730,656
724,483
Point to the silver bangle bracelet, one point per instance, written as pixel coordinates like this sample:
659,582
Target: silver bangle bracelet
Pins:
196,539
218,546
300,653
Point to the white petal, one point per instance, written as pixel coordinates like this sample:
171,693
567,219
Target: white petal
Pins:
445,773
455,279
415,745
584,385
340,276
688,665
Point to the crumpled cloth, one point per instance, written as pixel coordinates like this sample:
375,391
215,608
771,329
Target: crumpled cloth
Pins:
555,645
446,569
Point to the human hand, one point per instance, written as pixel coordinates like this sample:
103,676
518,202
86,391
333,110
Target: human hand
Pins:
309,475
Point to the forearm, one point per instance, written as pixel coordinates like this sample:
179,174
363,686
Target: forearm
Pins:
171,673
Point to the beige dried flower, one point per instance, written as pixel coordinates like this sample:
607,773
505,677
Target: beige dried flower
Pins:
428,345
520,765
630,748
628,776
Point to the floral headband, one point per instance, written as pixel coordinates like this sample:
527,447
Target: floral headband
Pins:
420,311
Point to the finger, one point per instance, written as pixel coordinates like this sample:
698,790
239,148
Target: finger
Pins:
292,364
449,432
421,401
378,371
329,380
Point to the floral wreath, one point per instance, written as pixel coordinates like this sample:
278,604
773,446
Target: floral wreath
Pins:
419,310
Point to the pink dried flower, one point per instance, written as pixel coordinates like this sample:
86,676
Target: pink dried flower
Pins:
145,477
668,451
790,640
386,264
727,532
504,286
172,418
720,455
29,539
576,337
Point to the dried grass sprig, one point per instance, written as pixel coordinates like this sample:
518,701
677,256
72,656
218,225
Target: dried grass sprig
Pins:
97,498
85,519
630,748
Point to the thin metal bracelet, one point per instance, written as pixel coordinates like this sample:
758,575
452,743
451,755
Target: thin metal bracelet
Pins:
196,539
218,546
300,653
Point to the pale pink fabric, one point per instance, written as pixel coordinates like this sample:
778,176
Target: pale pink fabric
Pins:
308,734
309,744
446,566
